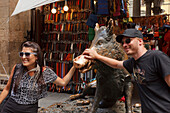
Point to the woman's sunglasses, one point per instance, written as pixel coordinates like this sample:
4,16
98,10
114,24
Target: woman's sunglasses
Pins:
127,41
27,54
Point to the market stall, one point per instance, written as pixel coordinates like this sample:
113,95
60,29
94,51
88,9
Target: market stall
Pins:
66,34
155,30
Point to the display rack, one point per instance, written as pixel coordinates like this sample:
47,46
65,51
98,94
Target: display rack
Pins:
65,36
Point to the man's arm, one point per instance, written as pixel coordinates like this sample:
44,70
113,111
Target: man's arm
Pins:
92,54
111,62
167,80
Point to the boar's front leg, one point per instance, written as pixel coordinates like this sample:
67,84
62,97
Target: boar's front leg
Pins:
128,94
97,99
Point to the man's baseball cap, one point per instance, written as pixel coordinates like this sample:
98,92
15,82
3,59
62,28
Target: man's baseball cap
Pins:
129,33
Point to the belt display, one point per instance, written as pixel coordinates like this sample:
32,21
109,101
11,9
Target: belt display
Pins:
65,36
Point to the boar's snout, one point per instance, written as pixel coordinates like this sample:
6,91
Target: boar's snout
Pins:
82,63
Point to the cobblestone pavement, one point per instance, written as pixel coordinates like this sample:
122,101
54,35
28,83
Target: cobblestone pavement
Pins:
62,104
52,98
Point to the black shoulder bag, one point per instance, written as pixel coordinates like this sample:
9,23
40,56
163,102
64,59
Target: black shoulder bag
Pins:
9,94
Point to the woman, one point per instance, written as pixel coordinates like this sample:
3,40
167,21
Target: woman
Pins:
30,81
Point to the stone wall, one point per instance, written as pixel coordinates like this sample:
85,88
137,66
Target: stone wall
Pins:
12,32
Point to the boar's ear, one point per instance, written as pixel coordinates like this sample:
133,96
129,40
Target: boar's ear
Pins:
109,28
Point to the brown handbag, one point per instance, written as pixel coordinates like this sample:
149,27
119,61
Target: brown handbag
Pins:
9,94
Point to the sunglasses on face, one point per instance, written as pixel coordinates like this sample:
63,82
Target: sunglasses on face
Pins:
127,41
27,54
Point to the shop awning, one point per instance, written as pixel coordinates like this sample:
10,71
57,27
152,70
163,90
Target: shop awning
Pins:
24,5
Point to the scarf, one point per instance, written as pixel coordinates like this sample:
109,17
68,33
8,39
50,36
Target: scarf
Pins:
35,76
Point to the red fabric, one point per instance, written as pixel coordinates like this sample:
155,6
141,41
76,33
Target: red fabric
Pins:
156,34
117,13
122,99
167,36
43,69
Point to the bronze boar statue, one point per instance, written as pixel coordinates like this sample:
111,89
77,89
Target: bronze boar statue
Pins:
112,83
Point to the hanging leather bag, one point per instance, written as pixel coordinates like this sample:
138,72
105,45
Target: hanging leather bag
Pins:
9,94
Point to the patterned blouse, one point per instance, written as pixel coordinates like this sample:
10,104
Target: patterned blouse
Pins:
26,93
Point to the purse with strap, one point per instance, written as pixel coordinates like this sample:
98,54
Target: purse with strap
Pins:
9,94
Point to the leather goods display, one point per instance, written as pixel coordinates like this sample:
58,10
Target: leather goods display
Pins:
65,36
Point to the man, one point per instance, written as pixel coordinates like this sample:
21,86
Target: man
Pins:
150,70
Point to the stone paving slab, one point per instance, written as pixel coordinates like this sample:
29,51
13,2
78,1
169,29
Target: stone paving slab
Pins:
77,106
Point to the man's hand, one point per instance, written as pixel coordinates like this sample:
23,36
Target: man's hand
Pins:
90,54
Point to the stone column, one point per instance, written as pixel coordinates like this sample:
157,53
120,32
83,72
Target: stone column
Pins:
12,32
4,34
136,8
148,7
157,7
